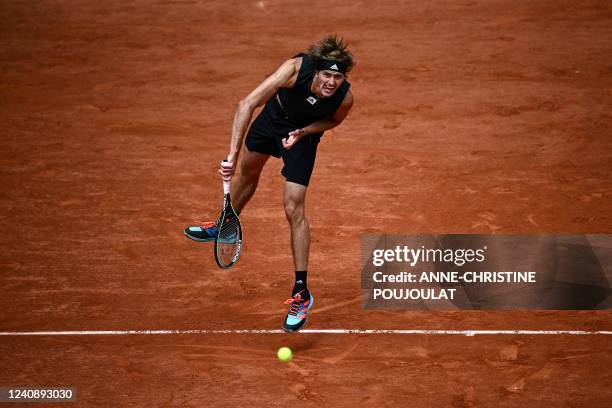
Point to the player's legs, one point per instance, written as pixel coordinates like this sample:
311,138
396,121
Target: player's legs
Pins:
299,163
295,197
245,182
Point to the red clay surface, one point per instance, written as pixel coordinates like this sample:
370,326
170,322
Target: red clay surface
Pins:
470,117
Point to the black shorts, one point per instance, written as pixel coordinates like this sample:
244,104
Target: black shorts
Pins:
265,137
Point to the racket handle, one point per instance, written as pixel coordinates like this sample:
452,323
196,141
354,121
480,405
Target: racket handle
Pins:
226,183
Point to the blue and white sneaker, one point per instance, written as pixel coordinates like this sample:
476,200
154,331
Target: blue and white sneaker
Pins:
205,232
298,312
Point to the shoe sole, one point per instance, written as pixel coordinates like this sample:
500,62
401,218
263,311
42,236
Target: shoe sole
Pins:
296,330
305,320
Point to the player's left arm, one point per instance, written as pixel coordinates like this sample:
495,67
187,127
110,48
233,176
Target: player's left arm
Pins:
322,125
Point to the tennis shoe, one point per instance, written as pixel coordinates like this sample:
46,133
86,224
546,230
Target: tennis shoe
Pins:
298,312
203,232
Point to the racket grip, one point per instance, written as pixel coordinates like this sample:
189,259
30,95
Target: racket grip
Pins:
226,183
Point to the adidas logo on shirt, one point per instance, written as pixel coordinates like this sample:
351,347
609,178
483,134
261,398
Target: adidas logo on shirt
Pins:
334,67
312,100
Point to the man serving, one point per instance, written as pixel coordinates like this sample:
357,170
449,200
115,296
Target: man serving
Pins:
306,96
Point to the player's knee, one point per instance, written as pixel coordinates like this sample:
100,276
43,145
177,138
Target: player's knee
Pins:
294,211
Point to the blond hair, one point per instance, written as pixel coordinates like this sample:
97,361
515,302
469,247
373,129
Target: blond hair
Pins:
332,47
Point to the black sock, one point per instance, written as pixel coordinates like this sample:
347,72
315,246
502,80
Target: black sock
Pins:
301,284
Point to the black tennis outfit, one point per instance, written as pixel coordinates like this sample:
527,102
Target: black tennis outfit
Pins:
290,109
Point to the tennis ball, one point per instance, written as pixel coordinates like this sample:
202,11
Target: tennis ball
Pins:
284,354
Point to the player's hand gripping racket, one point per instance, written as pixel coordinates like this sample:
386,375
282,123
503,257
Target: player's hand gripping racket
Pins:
228,242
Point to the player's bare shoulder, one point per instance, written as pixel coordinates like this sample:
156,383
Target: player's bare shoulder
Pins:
347,103
344,108
348,100
294,65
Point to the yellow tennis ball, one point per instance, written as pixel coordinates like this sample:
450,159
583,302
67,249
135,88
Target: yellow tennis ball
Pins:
284,354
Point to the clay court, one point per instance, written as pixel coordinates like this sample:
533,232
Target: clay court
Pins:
470,117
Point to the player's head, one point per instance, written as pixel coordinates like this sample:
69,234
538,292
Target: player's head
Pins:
334,61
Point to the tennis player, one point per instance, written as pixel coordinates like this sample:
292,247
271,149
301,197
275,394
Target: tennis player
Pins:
306,96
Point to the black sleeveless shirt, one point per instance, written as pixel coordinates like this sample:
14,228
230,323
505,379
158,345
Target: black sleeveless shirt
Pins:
298,107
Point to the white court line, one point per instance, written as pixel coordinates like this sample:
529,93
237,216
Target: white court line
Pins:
311,331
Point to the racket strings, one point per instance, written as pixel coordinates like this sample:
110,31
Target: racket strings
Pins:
228,241
229,229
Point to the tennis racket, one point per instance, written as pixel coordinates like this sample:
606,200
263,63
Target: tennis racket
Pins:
228,242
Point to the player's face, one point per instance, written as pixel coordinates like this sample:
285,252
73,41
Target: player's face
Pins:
328,82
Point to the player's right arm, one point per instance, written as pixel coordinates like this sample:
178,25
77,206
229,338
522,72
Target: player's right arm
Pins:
284,77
